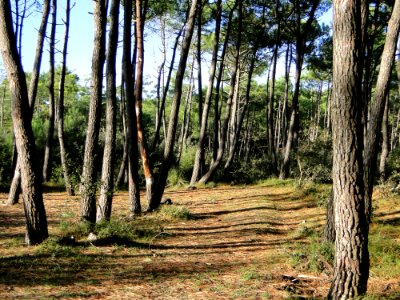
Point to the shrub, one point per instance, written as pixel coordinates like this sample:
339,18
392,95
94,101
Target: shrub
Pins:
5,162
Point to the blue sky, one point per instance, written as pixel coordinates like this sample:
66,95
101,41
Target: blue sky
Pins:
80,43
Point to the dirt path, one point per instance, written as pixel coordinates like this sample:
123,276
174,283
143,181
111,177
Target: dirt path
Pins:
238,246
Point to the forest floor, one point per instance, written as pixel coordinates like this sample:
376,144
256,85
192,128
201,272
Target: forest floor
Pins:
223,242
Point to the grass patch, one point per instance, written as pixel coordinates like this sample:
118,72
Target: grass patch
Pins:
276,182
315,256
384,253
173,212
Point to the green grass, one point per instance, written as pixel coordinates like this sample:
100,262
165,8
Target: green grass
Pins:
384,252
175,212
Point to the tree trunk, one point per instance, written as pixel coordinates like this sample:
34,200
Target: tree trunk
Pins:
35,214
271,100
50,133
133,155
198,59
206,177
186,116
16,181
351,269
329,229
207,101
144,152
107,173
124,160
381,92
165,92
173,119
301,37
60,107
385,141
88,178
241,115
218,84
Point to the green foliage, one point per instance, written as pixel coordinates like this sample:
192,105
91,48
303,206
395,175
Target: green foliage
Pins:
5,162
314,161
242,172
55,248
393,168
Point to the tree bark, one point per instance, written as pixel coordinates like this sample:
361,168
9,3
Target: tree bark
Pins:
35,214
165,92
385,141
351,268
124,160
88,178
207,101
60,106
144,152
107,173
173,118
241,115
50,133
16,181
271,100
221,148
381,92
301,38
133,155
329,229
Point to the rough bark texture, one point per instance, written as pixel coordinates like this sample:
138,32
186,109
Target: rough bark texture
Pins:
144,152
50,131
133,177
381,92
36,222
60,106
351,269
16,181
88,179
107,172
173,118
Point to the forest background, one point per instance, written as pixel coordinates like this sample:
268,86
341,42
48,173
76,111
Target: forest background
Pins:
235,129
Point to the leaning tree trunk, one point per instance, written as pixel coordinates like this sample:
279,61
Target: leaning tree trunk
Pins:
207,102
50,132
351,269
35,214
144,152
173,118
16,181
381,92
221,148
243,112
133,164
60,106
107,172
302,32
161,110
88,178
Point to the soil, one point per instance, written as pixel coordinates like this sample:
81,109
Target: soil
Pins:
238,245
